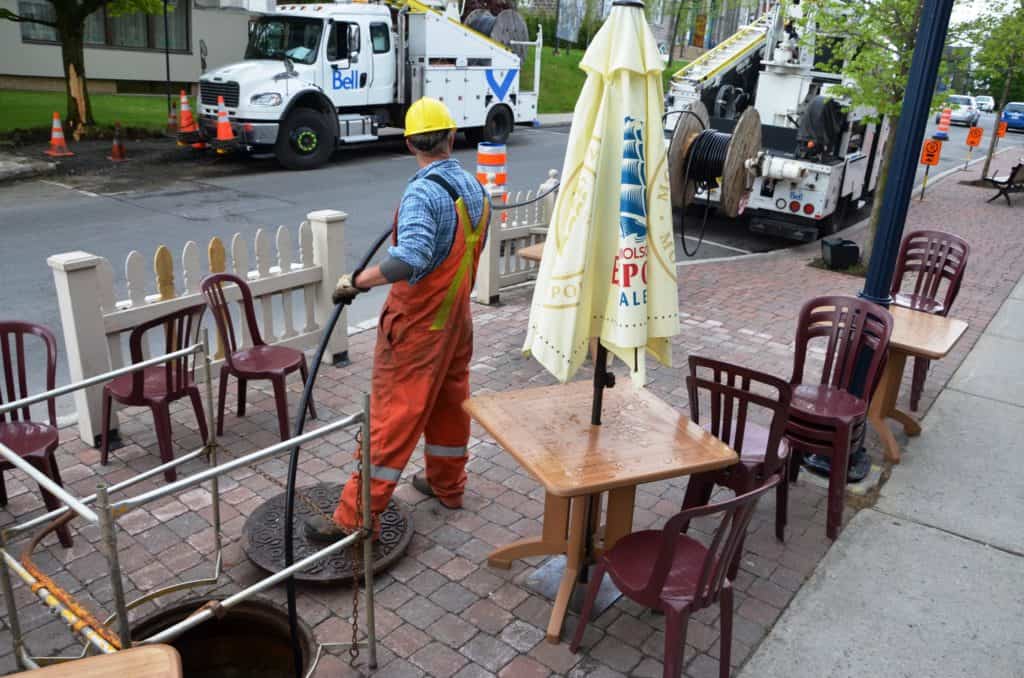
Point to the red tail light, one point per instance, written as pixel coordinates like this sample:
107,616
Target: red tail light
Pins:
808,208
794,206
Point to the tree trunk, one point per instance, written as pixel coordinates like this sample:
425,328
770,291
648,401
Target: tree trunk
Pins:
883,179
995,126
71,32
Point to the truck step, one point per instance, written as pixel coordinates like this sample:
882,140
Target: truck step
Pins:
358,138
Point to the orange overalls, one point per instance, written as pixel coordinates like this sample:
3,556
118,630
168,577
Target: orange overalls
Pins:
421,375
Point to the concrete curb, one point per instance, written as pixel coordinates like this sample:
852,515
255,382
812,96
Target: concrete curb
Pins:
18,167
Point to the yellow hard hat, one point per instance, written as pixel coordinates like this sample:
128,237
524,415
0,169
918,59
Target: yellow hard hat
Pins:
428,115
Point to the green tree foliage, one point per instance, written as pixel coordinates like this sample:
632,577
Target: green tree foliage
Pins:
999,36
874,46
69,22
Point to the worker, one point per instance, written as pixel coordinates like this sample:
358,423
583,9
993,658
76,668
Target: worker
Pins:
425,329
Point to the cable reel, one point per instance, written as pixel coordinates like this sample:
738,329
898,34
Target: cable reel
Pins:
702,159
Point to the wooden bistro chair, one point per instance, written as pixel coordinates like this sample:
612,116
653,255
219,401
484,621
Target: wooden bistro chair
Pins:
825,416
158,386
731,393
669,571
33,441
935,263
260,361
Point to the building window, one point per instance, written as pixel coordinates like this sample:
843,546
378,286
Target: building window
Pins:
380,36
130,31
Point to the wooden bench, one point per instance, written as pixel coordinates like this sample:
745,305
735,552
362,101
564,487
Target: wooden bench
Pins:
1013,183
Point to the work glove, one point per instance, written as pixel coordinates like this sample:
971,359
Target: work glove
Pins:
346,291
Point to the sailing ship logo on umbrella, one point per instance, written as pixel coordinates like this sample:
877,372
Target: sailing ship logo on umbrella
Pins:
631,261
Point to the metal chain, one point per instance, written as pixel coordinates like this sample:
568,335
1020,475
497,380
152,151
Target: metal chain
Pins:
354,553
353,650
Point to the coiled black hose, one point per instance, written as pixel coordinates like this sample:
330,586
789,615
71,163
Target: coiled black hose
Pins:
704,164
293,462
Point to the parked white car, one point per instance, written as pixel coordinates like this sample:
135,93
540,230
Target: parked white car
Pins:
986,104
965,110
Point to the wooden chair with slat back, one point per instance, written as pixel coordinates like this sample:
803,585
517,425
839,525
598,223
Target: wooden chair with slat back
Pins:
935,262
827,414
260,361
669,571
158,386
32,440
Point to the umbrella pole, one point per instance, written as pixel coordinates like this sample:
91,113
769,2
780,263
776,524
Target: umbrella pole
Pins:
602,379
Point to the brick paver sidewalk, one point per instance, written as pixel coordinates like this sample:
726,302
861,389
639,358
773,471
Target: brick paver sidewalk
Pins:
441,611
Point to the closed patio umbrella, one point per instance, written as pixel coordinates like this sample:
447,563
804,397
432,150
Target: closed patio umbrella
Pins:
608,267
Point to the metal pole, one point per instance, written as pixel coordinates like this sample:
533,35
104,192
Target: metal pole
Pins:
924,181
155,471
98,379
601,380
47,484
12,605
924,67
260,586
167,58
203,476
108,534
371,631
211,441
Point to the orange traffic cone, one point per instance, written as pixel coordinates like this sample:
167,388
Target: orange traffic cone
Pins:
58,147
172,119
225,135
117,152
188,130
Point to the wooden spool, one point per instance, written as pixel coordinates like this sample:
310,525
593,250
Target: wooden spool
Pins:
735,183
509,27
689,126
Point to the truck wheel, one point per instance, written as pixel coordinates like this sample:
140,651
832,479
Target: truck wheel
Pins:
304,141
499,125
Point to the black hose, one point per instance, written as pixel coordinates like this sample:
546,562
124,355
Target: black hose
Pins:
293,462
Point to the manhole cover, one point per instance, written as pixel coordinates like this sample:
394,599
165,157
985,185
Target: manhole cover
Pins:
264,536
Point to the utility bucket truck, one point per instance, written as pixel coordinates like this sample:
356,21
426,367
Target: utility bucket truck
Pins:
319,76
819,157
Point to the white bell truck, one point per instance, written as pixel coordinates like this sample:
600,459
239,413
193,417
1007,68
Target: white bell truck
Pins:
319,76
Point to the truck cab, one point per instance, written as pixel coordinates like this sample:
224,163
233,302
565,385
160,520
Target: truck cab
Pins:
322,75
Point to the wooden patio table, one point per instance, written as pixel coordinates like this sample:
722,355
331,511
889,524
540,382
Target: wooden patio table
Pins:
144,661
914,334
548,431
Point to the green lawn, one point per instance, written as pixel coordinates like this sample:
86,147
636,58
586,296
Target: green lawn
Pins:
561,82
561,78
27,110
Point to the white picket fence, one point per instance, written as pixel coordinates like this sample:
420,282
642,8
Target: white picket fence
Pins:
94,320
510,231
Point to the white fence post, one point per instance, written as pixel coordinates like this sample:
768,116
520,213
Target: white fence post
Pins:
329,254
488,270
77,278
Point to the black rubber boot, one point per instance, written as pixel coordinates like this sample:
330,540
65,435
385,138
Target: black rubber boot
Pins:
422,485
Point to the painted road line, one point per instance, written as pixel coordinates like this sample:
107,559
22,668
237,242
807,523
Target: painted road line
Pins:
718,244
89,194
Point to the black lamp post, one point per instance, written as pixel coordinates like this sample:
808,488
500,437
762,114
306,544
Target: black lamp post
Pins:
924,69
167,58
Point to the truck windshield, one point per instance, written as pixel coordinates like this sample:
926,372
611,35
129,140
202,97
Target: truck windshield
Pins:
292,37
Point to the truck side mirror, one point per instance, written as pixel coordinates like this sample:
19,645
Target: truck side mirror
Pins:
353,43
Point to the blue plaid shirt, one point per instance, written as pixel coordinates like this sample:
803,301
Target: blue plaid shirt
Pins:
426,216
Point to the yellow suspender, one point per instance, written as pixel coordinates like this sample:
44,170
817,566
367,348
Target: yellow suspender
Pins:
466,264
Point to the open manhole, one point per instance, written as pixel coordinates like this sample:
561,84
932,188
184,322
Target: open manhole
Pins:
264,536
250,641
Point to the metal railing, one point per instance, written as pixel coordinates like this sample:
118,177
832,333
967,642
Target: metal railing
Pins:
97,635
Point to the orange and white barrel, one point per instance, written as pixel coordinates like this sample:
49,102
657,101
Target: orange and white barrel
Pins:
944,120
491,164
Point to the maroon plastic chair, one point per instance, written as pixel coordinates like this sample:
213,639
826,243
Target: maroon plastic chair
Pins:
669,571
732,393
261,361
826,416
939,261
33,441
158,386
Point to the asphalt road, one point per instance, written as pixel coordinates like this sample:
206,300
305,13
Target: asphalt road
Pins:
111,215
